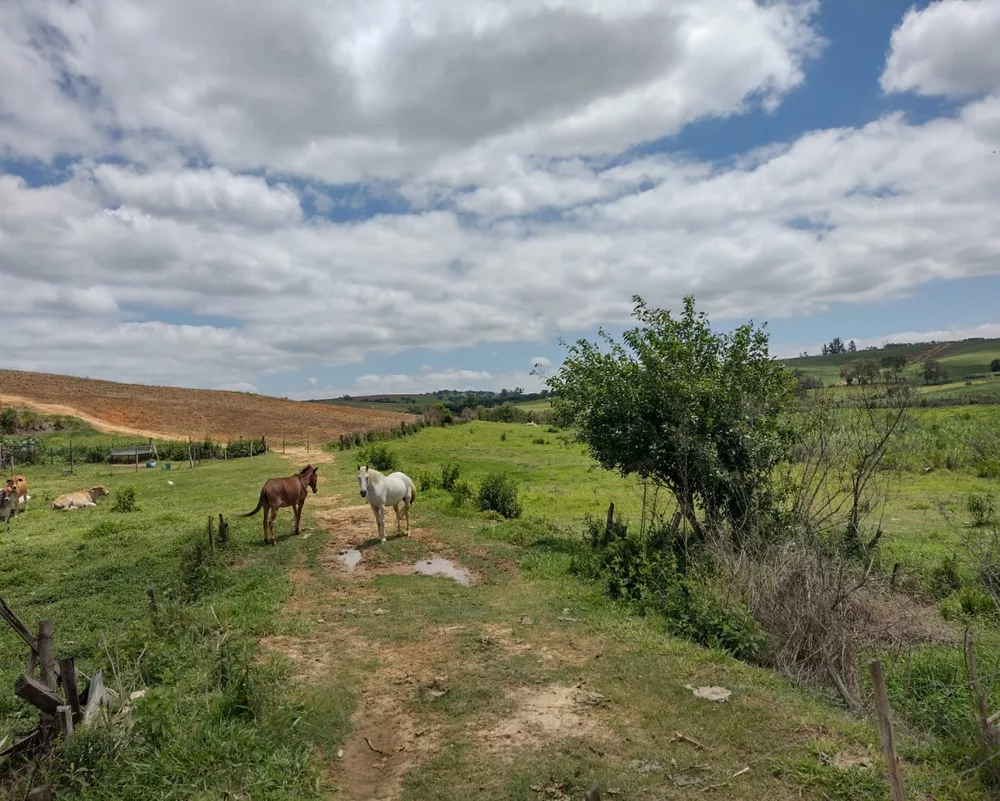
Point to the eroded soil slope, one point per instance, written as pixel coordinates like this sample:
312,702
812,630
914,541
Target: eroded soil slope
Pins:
169,412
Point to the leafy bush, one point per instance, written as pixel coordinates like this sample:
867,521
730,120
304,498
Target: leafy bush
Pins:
945,579
8,421
498,492
653,576
379,456
983,508
461,492
503,436
539,441
125,499
426,480
450,473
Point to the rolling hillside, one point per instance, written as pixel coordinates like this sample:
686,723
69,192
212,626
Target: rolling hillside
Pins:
170,412
960,359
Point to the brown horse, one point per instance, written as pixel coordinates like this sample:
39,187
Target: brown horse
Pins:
278,493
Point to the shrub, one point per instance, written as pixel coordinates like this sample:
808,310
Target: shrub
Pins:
945,578
498,492
995,366
983,508
654,576
539,441
379,456
450,473
8,421
503,436
461,492
125,499
427,480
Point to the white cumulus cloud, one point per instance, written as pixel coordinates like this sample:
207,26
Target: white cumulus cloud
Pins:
947,48
493,201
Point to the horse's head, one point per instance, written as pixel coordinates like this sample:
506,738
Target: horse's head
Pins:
312,479
363,480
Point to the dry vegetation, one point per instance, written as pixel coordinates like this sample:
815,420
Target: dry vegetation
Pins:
170,412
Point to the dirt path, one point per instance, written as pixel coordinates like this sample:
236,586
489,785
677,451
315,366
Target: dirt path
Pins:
94,422
396,726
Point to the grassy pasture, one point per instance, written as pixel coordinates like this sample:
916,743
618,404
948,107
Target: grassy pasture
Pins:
88,570
526,625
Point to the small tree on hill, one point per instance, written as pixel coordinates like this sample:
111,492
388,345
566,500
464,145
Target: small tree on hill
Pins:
695,411
867,371
995,366
851,347
849,373
894,364
934,373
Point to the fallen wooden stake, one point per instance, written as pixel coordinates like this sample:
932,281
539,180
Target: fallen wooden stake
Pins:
373,748
37,694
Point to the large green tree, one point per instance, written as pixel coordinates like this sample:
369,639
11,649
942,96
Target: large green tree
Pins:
697,411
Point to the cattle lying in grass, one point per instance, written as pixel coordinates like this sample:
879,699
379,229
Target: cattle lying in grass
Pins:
79,500
18,485
6,505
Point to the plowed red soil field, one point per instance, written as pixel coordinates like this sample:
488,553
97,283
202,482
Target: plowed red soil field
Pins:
171,413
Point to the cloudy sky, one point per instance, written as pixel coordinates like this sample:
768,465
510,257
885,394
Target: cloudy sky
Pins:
361,196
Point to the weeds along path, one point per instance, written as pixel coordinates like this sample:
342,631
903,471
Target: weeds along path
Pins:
490,683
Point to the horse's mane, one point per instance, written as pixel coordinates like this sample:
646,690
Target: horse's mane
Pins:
308,468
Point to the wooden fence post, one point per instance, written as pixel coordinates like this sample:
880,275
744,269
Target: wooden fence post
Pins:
67,674
46,665
211,535
885,731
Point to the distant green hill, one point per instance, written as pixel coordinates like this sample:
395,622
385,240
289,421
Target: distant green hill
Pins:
451,398
968,357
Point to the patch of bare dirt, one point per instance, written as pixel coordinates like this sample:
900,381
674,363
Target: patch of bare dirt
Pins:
544,714
300,456
354,528
311,657
387,741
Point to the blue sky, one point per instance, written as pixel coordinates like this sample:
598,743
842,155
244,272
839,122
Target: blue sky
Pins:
381,211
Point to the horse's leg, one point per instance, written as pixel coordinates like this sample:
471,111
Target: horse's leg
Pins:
381,521
298,515
274,514
267,511
395,508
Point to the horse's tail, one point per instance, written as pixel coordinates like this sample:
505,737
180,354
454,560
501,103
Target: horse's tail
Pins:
260,503
413,492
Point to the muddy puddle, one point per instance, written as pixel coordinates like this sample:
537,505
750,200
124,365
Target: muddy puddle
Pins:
350,558
443,567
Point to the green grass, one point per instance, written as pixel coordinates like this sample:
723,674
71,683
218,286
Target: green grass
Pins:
88,570
558,487
220,721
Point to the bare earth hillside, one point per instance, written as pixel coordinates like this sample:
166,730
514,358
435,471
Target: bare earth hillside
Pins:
169,412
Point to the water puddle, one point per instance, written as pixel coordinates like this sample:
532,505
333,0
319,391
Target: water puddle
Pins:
443,567
350,558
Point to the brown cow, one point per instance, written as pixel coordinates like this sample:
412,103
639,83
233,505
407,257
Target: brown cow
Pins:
80,499
278,493
18,485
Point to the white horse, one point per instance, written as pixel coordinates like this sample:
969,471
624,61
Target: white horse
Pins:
387,490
